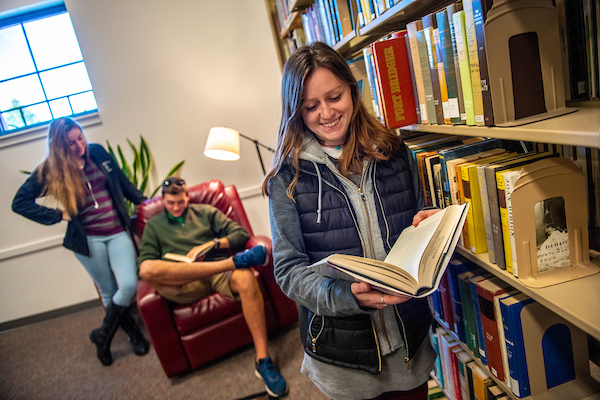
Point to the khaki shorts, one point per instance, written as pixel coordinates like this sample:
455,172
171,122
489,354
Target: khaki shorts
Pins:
194,291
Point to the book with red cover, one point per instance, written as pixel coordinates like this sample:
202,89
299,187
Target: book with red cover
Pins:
486,290
395,83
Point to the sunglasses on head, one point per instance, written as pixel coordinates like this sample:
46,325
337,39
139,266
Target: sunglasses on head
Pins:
174,181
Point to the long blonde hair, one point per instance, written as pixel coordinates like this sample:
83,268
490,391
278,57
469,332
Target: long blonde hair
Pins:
59,173
367,138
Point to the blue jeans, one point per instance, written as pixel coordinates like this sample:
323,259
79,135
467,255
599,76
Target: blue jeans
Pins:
112,267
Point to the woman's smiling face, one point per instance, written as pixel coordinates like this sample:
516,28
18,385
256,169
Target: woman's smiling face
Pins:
327,107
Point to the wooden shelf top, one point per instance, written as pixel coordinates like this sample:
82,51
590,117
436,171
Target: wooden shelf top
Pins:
580,128
577,301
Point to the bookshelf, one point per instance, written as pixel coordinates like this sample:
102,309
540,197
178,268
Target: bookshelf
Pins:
577,301
579,128
570,390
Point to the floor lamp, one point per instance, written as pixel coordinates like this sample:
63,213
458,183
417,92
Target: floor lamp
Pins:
224,144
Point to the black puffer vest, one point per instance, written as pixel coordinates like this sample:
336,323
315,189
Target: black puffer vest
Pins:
329,226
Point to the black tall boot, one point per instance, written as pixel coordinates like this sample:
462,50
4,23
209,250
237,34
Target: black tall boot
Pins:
136,338
103,336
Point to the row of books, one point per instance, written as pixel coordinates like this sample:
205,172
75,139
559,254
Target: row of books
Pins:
368,10
580,36
525,346
327,21
441,61
460,376
483,172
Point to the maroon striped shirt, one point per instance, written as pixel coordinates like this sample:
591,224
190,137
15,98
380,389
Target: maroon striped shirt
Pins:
97,212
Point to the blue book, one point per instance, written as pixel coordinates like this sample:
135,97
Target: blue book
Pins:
457,266
510,308
449,71
462,151
475,298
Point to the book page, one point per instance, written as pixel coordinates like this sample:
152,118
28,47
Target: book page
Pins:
412,242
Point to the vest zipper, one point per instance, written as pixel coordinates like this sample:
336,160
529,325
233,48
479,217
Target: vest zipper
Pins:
377,346
313,340
406,358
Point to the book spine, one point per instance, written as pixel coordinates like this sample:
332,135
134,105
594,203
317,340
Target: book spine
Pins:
478,225
476,311
486,93
465,68
468,315
496,223
471,48
468,240
426,73
504,220
441,77
433,72
451,9
509,184
412,28
490,331
396,92
515,348
448,64
485,210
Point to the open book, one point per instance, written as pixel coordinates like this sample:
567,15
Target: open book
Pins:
195,256
416,262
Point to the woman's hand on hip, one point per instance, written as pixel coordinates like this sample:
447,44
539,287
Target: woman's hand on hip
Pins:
367,297
66,216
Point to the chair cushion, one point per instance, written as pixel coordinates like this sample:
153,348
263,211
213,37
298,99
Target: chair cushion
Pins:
209,310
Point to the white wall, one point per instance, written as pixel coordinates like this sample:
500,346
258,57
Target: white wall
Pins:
167,70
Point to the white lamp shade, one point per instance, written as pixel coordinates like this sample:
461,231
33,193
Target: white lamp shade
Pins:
223,144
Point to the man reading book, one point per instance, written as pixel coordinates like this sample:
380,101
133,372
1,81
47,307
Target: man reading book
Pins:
187,229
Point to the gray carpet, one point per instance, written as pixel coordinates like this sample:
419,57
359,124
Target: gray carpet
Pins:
54,359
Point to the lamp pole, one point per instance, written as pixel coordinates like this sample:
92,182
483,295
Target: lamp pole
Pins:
257,144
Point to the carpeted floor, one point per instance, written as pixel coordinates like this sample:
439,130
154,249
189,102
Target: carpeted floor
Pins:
54,359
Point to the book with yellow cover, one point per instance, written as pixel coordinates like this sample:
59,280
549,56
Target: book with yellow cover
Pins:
463,61
416,262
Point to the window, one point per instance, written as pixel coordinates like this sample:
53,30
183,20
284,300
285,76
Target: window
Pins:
42,73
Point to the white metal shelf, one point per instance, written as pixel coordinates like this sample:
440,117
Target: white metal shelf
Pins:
580,128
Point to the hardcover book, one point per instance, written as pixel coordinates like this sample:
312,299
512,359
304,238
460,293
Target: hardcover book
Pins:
416,262
486,290
448,63
412,28
196,255
393,75
463,61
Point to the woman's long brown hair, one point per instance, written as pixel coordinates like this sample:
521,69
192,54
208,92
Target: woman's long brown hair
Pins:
59,172
367,138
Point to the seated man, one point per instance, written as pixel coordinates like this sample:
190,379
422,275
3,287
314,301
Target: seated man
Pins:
181,229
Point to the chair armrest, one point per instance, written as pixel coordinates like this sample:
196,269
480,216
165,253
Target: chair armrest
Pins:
285,308
157,317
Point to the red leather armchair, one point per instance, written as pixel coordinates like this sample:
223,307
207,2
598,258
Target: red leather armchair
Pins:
188,336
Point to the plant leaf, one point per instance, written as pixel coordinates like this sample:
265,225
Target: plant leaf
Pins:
136,163
124,164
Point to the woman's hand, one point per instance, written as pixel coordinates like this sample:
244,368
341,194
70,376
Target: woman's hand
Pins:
366,297
421,215
66,216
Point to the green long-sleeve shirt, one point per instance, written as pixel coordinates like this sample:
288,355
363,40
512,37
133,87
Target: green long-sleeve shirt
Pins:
201,223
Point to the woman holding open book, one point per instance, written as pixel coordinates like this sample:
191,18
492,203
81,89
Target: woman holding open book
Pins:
343,183
90,189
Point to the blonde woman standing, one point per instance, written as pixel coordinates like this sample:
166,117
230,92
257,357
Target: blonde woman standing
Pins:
90,188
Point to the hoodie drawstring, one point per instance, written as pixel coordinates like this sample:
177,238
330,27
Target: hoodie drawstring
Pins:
319,179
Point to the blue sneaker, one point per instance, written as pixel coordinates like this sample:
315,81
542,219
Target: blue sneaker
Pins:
274,381
256,256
